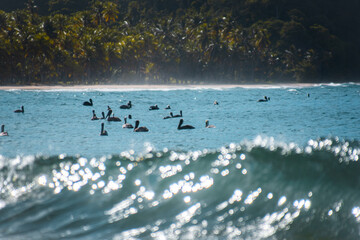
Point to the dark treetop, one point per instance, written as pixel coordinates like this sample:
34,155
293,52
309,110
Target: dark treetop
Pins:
180,41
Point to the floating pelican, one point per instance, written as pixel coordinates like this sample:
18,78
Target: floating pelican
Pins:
89,103
127,106
103,132
140,129
207,124
20,110
94,117
178,115
180,127
3,133
264,100
167,117
113,119
155,107
127,125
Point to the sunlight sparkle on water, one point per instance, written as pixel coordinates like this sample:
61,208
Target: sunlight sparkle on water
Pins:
252,196
303,203
187,199
282,200
236,197
186,216
137,182
42,180
356,212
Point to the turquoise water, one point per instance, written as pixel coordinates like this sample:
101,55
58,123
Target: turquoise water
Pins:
55,122
283,169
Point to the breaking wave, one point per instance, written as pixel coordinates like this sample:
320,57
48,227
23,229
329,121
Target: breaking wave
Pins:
261,189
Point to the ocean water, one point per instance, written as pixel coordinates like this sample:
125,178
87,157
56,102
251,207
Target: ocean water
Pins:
283,169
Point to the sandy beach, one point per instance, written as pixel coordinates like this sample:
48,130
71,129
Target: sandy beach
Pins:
157,87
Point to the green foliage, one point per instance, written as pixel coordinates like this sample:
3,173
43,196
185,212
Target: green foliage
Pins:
158,41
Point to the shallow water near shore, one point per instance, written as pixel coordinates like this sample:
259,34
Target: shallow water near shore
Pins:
283,169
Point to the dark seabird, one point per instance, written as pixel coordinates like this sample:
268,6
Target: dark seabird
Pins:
264,100
207,124
3,133
94,117
178,115
180,126
155,107
127,125
103,132
140,129
127,106
89,103
20,110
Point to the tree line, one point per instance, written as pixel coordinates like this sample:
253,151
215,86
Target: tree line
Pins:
180,41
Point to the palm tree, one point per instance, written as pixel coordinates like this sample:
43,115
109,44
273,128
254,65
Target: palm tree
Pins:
110,12
97,9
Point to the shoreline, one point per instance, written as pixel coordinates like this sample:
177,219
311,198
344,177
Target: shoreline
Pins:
163,86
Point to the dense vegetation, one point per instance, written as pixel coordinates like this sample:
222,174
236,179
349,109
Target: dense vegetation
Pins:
178,41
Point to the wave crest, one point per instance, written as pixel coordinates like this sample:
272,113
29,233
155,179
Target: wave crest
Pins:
255,189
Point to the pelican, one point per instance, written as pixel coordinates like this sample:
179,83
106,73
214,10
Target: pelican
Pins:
207,124
140,129
103,132
94,117
89,103
109,112
178,115
3,133
180,127
167,117
155,107
127,125
127,106
113,119
264,100
20,110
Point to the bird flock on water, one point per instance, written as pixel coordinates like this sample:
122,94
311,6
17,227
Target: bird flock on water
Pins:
110,116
